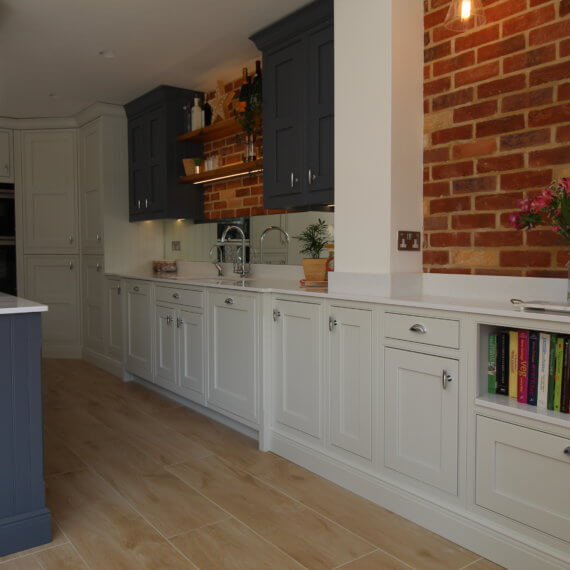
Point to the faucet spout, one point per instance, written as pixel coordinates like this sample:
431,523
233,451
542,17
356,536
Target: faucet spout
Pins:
243,267
217,261
265,232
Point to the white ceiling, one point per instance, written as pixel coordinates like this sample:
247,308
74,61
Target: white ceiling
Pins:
52,46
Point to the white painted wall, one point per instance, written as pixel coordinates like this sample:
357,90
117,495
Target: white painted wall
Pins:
378,133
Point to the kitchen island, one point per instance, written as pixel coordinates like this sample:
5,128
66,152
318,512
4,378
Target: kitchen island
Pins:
25,521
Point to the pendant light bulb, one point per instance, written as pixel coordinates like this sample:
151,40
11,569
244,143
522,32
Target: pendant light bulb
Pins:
464,15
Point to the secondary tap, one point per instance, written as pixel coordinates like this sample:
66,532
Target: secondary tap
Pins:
217,261
243,267
265,232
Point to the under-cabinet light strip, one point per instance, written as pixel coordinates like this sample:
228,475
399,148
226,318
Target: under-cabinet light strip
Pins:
236,175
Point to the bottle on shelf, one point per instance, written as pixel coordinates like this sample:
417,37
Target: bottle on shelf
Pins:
207,110
256,93
197,115
243,95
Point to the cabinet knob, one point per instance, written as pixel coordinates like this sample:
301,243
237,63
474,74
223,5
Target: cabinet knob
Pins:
445,379
229,301
71,266
139,204
276,314
332,323
70,238
168,320
146,202
179,322
136,288
311,176
98,267
567,451
293,180
417,328
98,237
118,288
175,295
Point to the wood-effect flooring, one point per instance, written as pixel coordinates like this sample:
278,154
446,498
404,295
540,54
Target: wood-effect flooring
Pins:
137,481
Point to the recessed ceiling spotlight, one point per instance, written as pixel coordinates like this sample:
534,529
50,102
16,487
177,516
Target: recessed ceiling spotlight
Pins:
107,53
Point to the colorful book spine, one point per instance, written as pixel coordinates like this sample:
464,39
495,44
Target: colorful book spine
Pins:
558,372
503,363
522,395
565,391
492,364
533,356
551,372
513,363
543,369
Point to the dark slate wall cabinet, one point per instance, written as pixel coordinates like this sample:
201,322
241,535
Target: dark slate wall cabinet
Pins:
298,113
155,157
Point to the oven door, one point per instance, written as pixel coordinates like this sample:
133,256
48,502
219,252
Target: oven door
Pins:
7,267
7,217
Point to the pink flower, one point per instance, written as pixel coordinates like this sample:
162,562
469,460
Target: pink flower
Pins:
565,183
515,221
555,228
525,205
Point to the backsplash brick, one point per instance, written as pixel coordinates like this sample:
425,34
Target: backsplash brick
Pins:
235,197
497,126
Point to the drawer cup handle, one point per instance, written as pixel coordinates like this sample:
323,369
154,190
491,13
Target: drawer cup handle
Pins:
567,451
175,295
229,301
445,379
136,288
417,328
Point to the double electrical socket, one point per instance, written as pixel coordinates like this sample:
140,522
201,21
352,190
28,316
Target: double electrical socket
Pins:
409,241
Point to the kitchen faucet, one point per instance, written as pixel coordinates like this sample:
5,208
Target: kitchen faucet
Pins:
265,232
243,267
218,261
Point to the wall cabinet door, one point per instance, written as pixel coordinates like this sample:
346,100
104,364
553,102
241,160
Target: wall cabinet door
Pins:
90,180
165,346
350,379
49,175
6,156
320,121
297,366
114,318
191,351
283,129
54,281
138,164
138,333
93,303
421,417
233,354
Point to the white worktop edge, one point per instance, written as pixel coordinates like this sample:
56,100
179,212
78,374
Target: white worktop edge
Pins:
10,305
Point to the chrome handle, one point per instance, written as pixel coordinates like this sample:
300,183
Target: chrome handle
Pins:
276,314
312,176
98,236
6,168
136,288
292,180
146,202
118,288
229,301
417,328
98,267
567,451
332,323
70,238
139,204
445,379
175,295
168,320
178,322
71,266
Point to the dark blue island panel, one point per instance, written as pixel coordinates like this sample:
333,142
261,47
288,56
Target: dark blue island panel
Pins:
24,519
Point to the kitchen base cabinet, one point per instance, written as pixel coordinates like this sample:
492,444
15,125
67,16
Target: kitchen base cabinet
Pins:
165,347
297,372
421,397
54,281
138,333
521,473
191,354
114,319
350,379
234,369
6,156
93,303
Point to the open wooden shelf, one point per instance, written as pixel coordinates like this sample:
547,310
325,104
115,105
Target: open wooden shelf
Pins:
218,130
224,172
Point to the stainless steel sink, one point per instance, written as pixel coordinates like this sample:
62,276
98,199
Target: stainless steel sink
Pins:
223,281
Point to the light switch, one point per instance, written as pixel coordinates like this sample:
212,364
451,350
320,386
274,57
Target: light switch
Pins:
175,246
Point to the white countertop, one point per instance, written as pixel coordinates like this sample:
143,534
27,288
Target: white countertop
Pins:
10,305
292,287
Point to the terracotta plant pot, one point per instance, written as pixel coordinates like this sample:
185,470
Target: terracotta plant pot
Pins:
315,269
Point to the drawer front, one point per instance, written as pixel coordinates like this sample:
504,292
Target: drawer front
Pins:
426,330
187,297
140,287
524,474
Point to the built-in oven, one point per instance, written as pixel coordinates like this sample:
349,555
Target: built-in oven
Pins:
7,266
7,217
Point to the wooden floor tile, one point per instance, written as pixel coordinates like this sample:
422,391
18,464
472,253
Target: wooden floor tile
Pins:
484,564
104,529
24,563
58,539
161,498
403,539
376,561
58,457
60,558
312,540
230,545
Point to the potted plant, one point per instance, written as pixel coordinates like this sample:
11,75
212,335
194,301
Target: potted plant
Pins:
313,240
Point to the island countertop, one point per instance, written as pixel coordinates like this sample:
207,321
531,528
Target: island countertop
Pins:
10,305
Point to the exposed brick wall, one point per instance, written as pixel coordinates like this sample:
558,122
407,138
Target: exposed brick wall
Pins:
497,129
235,197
